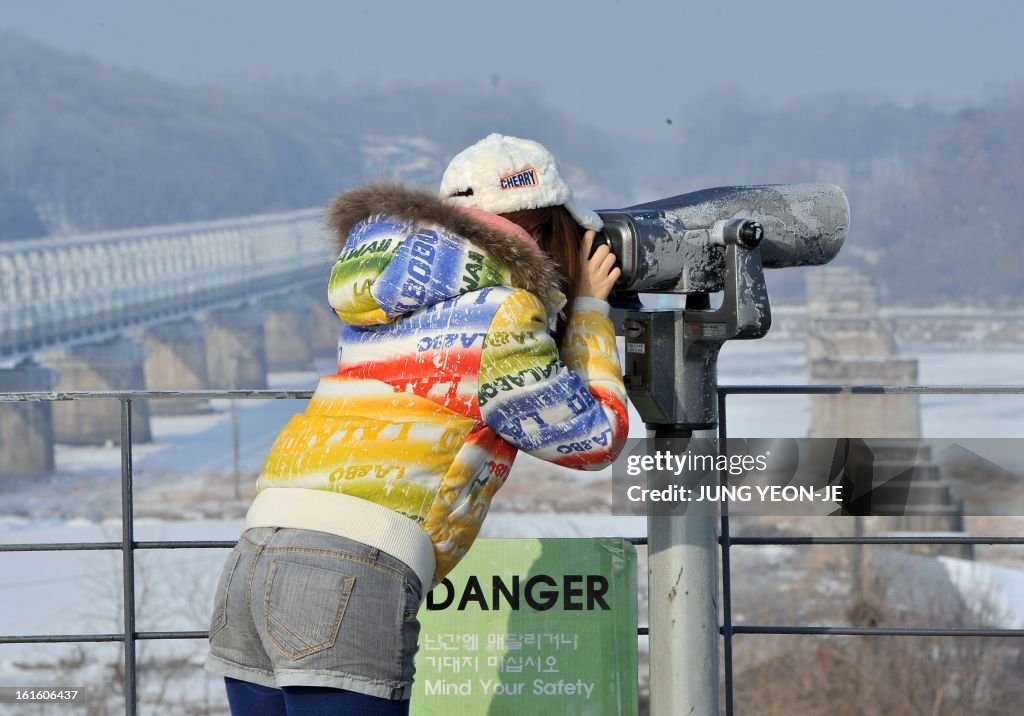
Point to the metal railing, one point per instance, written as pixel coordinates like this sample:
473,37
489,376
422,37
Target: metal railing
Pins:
128,545
727,630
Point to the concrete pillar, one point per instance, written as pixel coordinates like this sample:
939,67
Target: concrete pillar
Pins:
840,290
176,360
325,324
865,416
115,364
847,343
236,354
26,429
288,329
840,336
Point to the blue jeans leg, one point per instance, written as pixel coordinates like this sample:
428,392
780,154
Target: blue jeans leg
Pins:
248,699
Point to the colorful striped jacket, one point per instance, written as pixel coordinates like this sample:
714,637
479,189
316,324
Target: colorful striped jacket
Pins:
446,368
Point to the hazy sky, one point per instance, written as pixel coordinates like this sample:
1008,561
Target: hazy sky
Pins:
624,63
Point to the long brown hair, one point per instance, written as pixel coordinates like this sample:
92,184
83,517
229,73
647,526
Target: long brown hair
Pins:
558,234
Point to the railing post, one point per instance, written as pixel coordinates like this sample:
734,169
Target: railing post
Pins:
128,556
725,538
236,472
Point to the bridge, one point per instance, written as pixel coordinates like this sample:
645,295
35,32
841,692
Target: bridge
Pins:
193,306
62,291
941,324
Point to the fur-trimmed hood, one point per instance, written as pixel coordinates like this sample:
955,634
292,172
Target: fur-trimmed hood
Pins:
530,268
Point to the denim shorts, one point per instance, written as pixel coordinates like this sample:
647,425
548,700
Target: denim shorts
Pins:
303,608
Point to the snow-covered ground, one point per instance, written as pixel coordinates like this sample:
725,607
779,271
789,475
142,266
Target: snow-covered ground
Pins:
989,588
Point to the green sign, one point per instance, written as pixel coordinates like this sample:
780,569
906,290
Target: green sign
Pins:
532,626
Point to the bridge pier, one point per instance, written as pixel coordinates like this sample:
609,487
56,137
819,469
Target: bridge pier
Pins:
176,360
865,416
26,429
287,324
325,325
848,343
115,364
236,354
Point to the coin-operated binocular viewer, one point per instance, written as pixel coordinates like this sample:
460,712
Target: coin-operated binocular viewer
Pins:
706,242
714,241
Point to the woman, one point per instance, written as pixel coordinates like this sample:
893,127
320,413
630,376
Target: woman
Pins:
446,367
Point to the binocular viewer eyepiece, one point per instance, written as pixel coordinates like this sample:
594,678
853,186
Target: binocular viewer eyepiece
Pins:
677,245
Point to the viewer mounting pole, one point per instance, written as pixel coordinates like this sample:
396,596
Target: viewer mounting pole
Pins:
672,377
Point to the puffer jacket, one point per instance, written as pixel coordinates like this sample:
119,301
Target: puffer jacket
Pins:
446,368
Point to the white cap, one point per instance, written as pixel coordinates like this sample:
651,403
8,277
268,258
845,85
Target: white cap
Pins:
502,174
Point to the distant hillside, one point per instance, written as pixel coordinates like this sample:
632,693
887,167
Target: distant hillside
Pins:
84,146
935,195
95,147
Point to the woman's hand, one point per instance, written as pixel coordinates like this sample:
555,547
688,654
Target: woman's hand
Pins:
598,272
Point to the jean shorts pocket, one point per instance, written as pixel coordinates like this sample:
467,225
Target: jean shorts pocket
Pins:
304,607
220,600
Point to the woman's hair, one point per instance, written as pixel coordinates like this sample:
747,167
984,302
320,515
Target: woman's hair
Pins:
559,235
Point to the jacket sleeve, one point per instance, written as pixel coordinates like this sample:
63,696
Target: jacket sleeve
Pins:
572,413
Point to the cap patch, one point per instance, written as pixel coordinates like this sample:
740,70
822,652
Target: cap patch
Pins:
521,179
